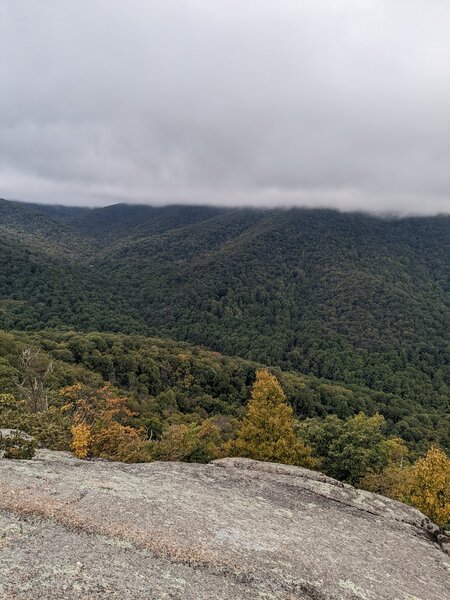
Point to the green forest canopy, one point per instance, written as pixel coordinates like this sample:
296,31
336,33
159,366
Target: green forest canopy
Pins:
159,374
357,304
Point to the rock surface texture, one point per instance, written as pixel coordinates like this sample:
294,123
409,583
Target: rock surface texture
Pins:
232,529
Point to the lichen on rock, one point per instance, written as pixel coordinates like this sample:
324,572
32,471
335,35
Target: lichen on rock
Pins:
232,529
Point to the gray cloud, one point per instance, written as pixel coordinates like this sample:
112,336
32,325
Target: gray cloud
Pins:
277,102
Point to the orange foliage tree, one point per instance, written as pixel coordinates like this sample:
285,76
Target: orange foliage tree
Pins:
98,429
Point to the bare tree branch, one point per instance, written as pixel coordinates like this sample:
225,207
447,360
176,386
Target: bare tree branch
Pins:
34,372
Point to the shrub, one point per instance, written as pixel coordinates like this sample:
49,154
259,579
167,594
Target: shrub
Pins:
17,446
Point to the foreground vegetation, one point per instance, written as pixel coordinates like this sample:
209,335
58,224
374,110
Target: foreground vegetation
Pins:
135,399
352,313
167,381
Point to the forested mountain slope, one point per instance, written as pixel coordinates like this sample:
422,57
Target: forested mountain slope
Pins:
348,297
164,378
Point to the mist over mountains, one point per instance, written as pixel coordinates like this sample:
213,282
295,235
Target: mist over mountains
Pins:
318,104
225,252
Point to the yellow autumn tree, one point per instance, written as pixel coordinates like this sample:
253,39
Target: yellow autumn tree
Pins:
267,431
81,437
427,486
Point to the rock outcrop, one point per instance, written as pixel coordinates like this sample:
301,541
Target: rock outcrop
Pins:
233,529
11,433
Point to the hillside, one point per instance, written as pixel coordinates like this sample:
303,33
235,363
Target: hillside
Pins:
233,529
164,375
348,297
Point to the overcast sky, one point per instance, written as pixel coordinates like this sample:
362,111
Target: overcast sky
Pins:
342,103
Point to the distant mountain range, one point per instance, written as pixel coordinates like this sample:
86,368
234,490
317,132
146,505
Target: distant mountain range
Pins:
347,297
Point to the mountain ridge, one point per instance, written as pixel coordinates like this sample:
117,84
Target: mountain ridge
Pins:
348,297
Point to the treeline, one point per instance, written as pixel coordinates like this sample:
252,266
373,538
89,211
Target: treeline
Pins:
167,381
354,450
103,423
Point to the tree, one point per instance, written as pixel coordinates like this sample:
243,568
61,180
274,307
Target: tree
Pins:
14,413
35,369
16,444
81,439
98,428
389,482
427,486
351,448
191,442
267,431
115,441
